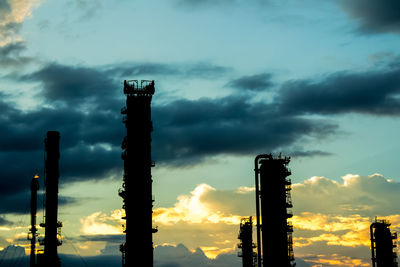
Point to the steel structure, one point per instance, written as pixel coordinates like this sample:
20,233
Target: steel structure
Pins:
382,244
52,238
136,190
273,201
246,245
32,235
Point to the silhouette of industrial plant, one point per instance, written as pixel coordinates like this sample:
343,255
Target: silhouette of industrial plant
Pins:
274,245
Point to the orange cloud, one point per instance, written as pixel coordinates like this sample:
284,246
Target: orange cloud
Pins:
98,223
191,208
19,11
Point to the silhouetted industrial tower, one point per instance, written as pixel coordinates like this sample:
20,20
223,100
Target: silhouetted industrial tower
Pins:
136,189
382,244
246,244
52,226
33,230
276,243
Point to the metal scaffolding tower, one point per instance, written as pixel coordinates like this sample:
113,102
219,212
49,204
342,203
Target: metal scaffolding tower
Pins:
274,244
382,244
246,245
136,189
32,235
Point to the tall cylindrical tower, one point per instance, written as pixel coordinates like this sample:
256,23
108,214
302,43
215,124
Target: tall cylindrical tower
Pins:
274,192
136,190
52,225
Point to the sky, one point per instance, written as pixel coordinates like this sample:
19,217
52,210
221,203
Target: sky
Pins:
318,81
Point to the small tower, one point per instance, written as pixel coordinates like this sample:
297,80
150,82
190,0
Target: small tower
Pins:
33,230
246,245
382,244
273,192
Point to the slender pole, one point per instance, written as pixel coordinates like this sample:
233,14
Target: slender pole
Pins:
34,189
256,174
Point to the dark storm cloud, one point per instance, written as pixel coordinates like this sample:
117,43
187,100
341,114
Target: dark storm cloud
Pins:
86,151
73,84
374,93
258,82
374,16
19,202
101,86
187,131
83,162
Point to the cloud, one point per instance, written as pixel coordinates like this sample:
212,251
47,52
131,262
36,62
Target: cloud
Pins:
374,16
180,255
10,55
89,7
195,208
204,3
12,15
164,256
371,92
75,85
11,255
366,196
205,218
331,219
186,70
98,223
257,82
5,222
189,131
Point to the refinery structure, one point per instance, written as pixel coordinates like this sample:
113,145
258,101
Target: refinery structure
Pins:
273,203
52,237
136,190
383,243
274,242
246,244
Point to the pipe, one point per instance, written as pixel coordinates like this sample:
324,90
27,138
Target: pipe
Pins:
372,244
256,174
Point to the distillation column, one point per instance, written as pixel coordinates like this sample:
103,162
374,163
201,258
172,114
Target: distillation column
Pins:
246,244
382,244
275,241
33,230
136,190
52,225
